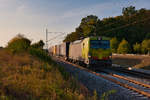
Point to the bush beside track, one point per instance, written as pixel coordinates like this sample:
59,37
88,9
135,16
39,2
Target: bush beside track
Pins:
30,74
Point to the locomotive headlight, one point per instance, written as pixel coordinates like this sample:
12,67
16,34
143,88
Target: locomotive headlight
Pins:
129,68
89,56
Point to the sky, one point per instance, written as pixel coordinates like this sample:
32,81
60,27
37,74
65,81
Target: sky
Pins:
32,17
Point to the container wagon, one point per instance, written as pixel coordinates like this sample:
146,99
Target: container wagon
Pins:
75,51
91,51
64,50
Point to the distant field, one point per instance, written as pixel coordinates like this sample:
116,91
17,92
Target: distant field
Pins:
137,61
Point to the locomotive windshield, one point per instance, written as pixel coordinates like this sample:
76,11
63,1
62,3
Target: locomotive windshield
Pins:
105,44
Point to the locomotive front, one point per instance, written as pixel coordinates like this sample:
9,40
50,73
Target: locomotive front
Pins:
96,51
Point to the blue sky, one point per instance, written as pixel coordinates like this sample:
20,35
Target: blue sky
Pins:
31,17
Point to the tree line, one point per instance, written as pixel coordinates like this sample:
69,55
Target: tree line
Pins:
132,27
124,47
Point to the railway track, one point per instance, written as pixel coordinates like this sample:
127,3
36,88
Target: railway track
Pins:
132,72
145,92
131,84
132,81
125,85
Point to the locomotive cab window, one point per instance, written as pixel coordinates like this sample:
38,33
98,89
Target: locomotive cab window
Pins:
104,44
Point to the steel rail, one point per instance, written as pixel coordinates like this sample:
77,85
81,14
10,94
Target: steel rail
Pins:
112,80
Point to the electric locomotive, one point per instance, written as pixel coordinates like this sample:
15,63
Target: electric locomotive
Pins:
91,51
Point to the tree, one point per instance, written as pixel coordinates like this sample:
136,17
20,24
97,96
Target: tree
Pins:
124,47
86,28
128,11
148,36
132,25
88,25
146,46
19,44
114,44
137,48
39,44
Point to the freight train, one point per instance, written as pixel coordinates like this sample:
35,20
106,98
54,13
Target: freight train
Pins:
90,51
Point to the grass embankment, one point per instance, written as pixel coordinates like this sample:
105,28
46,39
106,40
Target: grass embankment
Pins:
26,77
136,61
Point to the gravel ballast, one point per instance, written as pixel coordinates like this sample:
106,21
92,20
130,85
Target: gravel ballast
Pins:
101,85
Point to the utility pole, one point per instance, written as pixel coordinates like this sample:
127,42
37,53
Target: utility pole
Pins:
46,38
47,32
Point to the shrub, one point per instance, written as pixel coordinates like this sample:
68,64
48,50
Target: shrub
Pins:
146,46
114,44
39,44
41,54
137,48
18,44
124,47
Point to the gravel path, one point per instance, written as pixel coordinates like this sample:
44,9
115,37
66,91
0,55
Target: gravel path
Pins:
93,82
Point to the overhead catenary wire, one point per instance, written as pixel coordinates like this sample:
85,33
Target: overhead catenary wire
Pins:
56,37
48,40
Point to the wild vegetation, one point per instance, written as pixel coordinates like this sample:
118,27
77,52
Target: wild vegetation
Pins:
18,44
28,73
123,47
132,26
